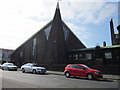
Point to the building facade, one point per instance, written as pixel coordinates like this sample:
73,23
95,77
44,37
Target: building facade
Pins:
115,36
106,59
109,55
5,55
49,46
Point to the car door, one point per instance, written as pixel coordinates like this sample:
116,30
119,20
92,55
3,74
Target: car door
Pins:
4,66
30,66
80,71
26,67
73,70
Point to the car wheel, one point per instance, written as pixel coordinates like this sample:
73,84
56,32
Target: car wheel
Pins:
34,71
2,68
8,69
67,74
89,76
23,70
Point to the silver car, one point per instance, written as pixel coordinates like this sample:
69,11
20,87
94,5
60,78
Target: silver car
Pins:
34,68
9,66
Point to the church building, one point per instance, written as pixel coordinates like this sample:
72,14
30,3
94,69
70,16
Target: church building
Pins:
49,46
115,36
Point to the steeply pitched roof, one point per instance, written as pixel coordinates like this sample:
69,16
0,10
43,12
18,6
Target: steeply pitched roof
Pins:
57,15
57,24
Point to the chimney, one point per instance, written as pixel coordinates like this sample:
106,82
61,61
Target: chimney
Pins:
104,44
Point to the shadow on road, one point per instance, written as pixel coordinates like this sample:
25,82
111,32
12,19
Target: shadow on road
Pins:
99,79
36,73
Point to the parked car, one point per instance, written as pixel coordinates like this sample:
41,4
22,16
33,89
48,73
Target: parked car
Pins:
0,66
34,68
82,71
9,66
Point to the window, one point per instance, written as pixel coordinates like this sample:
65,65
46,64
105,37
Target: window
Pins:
3,55
28,64
47,31
70,57
75,57
83,56
108,55
73,66
34,41
79,67
21,54
66,32
34,49
117,36
86,67
88,56
80,56
34,46
10,64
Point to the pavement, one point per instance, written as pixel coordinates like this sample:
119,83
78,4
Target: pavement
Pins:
105,76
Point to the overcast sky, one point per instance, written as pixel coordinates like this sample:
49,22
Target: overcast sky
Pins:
20,19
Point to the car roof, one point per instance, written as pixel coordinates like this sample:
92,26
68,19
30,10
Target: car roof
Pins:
8,63
31,63
76,64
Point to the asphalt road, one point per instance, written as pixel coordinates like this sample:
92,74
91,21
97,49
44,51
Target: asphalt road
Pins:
17,79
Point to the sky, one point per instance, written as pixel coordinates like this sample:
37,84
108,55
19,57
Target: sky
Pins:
88,19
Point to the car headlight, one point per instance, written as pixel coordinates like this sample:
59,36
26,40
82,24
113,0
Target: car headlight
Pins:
96,72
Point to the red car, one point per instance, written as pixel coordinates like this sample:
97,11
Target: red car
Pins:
82,71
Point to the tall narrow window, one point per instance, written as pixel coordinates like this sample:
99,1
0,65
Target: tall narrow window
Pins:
47,31
116,36
80,56
21,54
66,32
34,48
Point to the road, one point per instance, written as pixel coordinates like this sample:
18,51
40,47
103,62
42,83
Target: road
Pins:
17,79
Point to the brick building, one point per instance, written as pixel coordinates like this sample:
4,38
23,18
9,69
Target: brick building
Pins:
115,36
5,55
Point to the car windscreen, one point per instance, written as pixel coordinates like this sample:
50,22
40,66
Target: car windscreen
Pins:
10,64
86,67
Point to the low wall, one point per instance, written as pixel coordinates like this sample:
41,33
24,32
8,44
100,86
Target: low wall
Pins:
105,69
109,69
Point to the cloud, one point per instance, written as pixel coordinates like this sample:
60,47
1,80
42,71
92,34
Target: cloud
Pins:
90,0
88,12
20,19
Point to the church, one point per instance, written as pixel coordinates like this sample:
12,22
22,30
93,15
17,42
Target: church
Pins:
49,46
115,36
55,45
